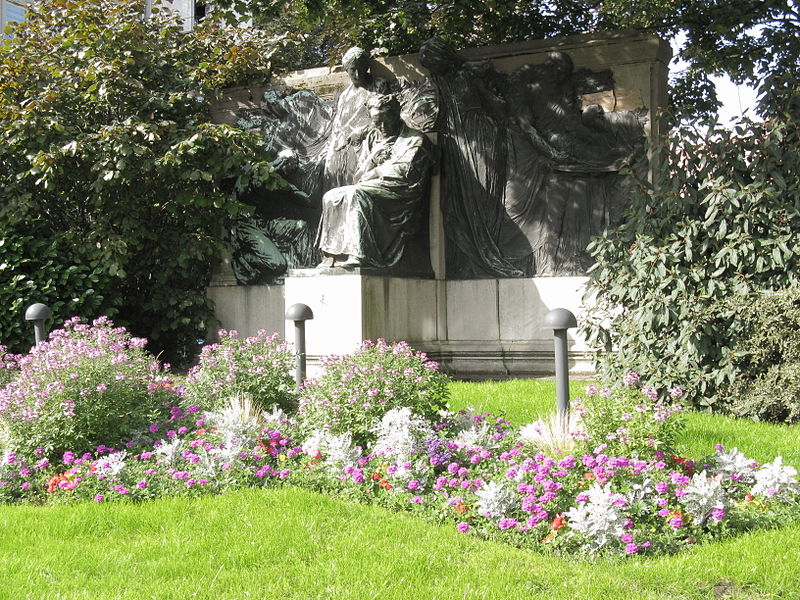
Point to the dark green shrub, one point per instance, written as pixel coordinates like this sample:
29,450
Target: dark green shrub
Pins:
766,356
37,268
106,145
722,219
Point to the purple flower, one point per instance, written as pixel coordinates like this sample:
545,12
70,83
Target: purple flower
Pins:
676,522
626,538
153,428
412,485
507,523
99,498
718,514
631,548
141,484
463,527
416,500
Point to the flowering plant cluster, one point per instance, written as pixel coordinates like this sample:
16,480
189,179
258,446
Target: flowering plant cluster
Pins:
259,366
356,390
609,491
468,469
8,366
629,418
85,385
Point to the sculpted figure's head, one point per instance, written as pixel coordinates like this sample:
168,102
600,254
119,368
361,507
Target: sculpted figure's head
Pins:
385,114
438,56
356,62
560,65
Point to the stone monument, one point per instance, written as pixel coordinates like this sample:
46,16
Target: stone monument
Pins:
457,192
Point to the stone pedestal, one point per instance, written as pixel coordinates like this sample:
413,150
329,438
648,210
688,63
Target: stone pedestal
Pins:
350,307
477,329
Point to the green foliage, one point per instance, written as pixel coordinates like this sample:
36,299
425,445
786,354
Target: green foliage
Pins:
37,268
259,366
105,144
751,41
625,419
356,390
85,386
766,355
722,219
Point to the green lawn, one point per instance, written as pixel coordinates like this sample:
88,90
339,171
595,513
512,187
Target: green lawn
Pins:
292,543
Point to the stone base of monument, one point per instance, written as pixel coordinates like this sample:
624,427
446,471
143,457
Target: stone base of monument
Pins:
247,308
477,329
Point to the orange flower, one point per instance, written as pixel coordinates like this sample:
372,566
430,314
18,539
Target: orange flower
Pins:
377,476
385,485
549,537
558,522
588,476
460,508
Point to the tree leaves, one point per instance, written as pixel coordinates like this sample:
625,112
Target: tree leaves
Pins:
105,144
722,221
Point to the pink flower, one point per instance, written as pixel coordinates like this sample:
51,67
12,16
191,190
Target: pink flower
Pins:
463,527
631,378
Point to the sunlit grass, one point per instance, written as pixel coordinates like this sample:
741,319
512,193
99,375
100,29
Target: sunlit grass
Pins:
295,544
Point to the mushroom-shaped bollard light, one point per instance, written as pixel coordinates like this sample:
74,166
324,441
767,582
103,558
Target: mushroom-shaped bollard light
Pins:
559,320
299,313
38,313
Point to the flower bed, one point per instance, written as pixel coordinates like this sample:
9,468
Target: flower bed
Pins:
613,485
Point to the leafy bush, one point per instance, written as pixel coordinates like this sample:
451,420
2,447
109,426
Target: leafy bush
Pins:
766,356
105,143
259,367
722,219
627,419
35,267
355,391
85,386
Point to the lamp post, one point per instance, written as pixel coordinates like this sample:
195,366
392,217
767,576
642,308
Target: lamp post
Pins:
559,320
299,313
38,313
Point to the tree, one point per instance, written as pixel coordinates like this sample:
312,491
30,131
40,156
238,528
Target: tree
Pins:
719,223
753,41
107,153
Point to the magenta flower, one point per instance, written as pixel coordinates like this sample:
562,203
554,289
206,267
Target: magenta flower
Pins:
463,527
99,498
631,548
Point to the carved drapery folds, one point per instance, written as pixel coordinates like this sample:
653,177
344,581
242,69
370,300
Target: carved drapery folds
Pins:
528,174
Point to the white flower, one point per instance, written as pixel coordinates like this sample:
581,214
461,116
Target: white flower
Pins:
110,465
480,434
600,518
735,463
702,495
234,425
339,452
494,500
314,443
400,433
168,450
775,480
275,418
551,434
